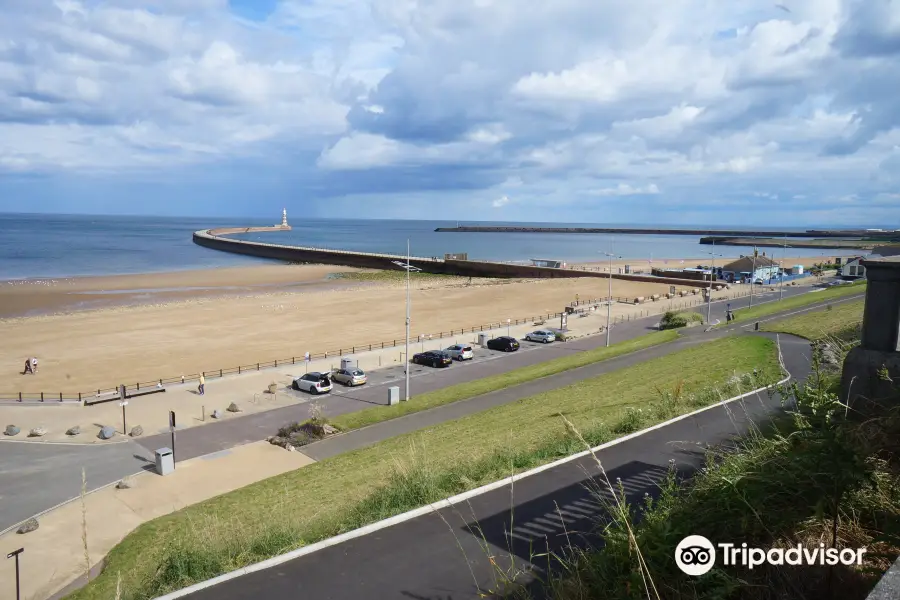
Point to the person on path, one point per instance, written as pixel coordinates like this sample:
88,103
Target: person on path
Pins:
27,367
201,387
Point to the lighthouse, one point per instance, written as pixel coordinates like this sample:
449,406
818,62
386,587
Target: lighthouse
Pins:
284,222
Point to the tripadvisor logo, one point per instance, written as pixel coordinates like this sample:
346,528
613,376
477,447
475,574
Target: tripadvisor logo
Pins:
696,555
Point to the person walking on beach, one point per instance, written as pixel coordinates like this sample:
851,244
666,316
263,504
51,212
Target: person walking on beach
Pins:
33,366
27,367
201,387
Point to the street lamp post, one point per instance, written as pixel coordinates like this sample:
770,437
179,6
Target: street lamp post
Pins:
610,256
712,271
781,283
753,277
406,265
507,326
15,554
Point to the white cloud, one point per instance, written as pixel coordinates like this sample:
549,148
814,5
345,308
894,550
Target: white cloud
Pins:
479,100
624,189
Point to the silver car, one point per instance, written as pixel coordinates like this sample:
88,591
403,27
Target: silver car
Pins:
460,352
541,335
350,377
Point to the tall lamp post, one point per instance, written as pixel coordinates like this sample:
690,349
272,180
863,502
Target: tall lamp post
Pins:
712,271
781,282
753,276
406,265
609,255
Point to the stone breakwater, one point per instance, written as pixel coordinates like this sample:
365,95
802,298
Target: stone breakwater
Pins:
228,230
216,240
844,233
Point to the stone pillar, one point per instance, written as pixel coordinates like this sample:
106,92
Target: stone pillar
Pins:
879,349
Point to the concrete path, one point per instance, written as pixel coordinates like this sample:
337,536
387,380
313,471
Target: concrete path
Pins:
452,553
35,477
55,555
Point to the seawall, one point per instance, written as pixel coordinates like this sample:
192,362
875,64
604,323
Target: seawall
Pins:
833,244
616,230
227,230
388,262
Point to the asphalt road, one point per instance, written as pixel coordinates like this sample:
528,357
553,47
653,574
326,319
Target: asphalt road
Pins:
445,555
35,476
235,431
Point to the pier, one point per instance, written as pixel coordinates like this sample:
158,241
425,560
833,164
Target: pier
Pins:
837,233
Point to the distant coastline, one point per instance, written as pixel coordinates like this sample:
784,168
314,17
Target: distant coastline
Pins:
812,233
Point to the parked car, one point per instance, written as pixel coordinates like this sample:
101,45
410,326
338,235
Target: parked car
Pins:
460,352
314,383
503,343
541,335
350,377
433,358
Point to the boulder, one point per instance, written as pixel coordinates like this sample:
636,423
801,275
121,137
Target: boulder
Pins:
73,431
137,431
217,414
12,430
233,407
329,429
106,432
38,432
29,526
125,484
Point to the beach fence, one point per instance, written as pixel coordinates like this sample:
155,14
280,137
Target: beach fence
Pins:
102,395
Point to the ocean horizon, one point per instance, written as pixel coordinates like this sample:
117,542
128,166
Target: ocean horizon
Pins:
41,246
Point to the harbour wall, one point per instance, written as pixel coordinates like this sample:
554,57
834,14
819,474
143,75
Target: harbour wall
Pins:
214,239
844,233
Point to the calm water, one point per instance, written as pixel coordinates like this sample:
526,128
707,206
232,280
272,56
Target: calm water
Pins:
35,246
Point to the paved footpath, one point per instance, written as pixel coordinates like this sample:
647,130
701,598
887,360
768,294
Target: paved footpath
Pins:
451,553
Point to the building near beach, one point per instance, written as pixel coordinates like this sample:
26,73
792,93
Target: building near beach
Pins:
748,268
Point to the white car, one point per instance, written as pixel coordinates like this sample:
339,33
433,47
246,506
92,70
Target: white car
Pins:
314,383
541,335
460,352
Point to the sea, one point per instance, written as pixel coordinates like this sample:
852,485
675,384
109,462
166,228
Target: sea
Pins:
36,246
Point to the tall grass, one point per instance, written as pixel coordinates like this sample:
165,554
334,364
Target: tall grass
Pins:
824,474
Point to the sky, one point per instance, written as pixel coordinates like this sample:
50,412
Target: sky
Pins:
598,111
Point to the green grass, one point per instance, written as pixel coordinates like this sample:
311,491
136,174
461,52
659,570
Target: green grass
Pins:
841,321
762,310
498,382
344,492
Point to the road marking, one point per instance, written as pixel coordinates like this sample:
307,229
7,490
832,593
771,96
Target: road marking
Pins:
446,503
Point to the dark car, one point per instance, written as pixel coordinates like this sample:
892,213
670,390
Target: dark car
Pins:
504,343
434,358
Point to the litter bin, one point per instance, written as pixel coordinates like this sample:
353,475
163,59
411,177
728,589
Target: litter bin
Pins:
482,339
165,461
347,363
393,395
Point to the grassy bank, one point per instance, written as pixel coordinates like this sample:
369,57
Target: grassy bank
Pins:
498,382
797,302
823,476
349,490
842,321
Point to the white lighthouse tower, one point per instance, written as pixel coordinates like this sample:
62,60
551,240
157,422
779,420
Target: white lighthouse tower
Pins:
284,223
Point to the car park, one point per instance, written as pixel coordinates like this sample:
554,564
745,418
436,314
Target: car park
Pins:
432,358
314,383
460,352
350,377
504,343
541,335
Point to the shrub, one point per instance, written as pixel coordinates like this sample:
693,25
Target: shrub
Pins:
674,320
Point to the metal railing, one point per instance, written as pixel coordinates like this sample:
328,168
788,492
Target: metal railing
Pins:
101,394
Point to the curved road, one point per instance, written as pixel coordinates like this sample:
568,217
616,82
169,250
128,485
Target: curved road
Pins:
444,555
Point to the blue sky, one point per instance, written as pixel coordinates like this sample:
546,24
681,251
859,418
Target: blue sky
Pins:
616,111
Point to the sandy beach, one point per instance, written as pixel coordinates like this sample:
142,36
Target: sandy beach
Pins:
110,330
